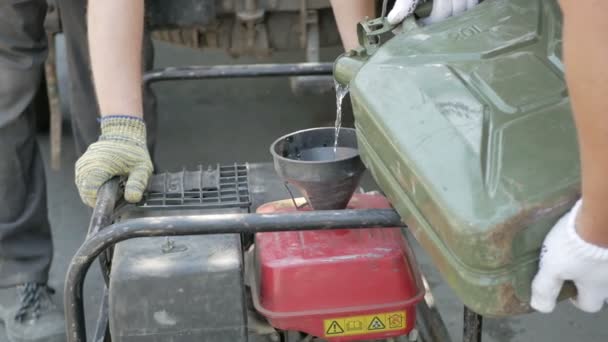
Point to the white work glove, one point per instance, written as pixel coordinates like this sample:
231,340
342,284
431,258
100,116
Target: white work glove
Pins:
566,256
441,9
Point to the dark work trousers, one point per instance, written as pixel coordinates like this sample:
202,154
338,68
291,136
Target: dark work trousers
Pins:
26,247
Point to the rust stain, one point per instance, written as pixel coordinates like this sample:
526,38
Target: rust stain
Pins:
508,303
501,237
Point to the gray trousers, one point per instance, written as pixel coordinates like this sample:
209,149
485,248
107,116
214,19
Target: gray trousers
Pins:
25,237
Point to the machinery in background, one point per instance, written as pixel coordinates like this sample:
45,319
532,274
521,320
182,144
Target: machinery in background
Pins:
240,27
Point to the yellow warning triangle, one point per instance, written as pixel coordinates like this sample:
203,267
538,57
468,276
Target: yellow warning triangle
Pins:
376,324
334,329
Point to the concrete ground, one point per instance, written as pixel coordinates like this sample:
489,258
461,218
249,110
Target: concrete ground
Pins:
236,120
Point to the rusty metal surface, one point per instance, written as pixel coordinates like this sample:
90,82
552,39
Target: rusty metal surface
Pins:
242,27
283,33
247,27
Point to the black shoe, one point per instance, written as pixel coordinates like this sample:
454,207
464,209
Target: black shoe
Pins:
35,318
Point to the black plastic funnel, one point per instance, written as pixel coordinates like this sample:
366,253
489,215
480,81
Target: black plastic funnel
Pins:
327,177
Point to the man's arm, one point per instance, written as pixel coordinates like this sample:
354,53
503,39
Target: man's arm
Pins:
348,14
115,33
585,53
576,249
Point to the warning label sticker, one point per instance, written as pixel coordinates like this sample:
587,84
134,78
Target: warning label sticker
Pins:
368,324
376,324
335,329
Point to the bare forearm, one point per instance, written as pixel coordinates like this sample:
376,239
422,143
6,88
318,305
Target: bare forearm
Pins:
585,53
115,31
348,14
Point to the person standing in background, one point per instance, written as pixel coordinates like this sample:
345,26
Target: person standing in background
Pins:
28,309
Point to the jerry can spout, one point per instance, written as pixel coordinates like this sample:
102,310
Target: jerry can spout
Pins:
372,34
346,67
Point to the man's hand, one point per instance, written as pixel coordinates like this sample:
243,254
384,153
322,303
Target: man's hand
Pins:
120,151
566,256
441,9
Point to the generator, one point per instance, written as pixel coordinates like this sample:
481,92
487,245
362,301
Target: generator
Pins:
342,285
293,269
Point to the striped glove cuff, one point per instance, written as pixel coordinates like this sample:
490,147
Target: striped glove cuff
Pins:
122,127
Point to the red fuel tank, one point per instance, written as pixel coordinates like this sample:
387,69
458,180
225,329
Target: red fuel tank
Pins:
342,285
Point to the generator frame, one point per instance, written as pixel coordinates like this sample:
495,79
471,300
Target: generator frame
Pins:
103,233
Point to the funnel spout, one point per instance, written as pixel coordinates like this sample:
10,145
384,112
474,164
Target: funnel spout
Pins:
327,177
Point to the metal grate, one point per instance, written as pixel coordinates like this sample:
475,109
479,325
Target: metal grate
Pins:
220,186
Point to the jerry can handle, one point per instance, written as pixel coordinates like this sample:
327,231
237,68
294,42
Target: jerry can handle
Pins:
372,33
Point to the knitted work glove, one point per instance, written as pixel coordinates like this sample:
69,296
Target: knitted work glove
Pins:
120,151
566,256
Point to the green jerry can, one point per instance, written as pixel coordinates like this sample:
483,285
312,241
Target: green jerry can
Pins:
466,126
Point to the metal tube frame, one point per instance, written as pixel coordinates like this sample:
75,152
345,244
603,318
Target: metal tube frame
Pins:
431,326
103,235
102,217
237,71
104,238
